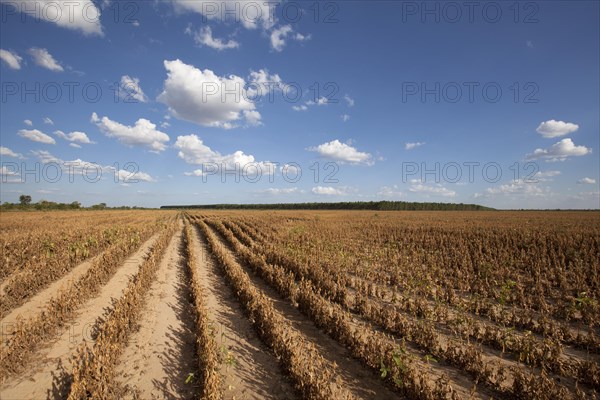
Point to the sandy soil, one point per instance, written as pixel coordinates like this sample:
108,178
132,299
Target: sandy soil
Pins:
161,354
249,370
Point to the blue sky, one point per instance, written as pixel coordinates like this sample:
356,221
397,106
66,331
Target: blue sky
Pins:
170,102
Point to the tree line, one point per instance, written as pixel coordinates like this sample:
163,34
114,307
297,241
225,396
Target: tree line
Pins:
25,204
354,205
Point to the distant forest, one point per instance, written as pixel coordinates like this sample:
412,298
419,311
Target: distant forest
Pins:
357,205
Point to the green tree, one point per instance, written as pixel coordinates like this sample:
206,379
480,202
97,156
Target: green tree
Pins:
25,200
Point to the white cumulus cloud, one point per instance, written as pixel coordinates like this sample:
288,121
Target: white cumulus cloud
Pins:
281,34
559,151
321,101
586,181
143,133
130,89
76,137
44,59
251,14
193,151
6,152
262,84
28,122
81,15
12,59
36,136
553,128
330,190
342,152
204,37
79,166
132,177
205,98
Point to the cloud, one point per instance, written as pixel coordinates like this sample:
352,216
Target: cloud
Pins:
390,191
262,83
279,36
12,59
349,100
81,15
79,167
345,117
46,157
516,188
280,191
251,14
196,172
204,37
543,176
10,175
437,190
204,98
143,133
28,122
5,171
344,153
593,197
529,43
130,89
6,152
552,128
291,171
133,177
301,107
301,38
410,146
46,191
321,101
559,151
586,181
252,117
36,136
79,137
332,191
193,151
75,145
44,59
48,121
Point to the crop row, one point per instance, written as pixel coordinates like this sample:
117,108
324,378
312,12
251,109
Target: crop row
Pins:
313,376
551,266
94,367
21,339
206,347
423,334
376,350
492,310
